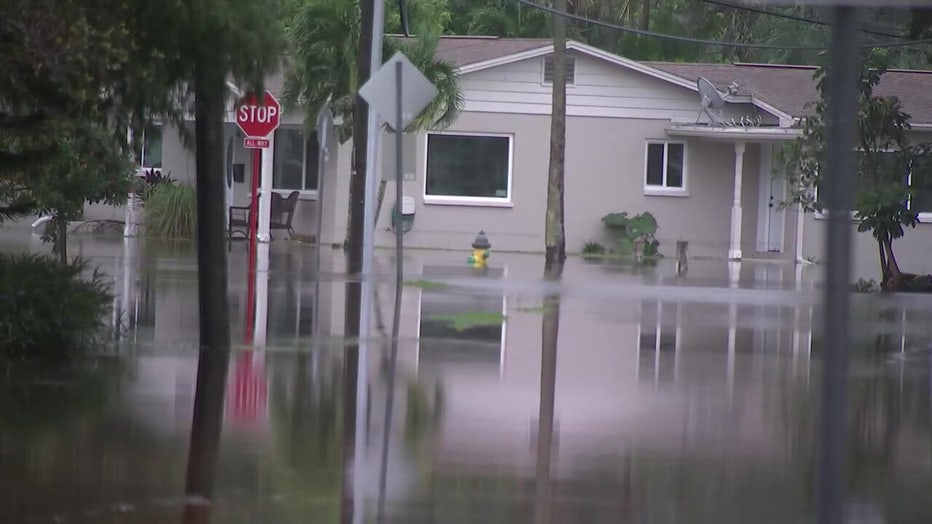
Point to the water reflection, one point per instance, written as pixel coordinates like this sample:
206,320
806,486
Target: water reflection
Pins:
657,408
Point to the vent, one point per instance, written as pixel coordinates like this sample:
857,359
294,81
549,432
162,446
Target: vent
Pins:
570,69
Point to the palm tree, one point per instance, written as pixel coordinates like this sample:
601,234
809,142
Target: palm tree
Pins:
324,37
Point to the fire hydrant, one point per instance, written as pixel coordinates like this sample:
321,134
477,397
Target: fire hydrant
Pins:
480,251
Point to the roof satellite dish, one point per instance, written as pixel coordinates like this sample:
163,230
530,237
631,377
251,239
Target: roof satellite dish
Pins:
710,101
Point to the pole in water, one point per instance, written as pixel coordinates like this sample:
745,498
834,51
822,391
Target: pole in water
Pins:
841,139
399,280
253,245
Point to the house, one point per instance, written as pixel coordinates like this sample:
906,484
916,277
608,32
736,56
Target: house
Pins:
637,140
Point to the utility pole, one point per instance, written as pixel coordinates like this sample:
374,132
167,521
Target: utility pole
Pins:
360,238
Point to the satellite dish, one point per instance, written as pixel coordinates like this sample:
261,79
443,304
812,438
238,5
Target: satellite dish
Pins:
710,101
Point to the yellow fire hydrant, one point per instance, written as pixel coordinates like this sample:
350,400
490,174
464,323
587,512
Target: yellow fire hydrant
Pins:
480,251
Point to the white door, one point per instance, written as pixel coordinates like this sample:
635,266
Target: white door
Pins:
770,218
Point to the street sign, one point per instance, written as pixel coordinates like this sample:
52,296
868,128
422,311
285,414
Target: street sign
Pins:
417,92
258,120
255,143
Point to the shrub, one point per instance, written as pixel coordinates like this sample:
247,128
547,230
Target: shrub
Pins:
49,312
593,248
630,230
171,211
151,179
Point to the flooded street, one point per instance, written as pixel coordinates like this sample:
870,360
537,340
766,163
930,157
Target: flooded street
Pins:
671,399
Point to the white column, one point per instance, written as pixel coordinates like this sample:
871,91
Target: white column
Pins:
734,252
265,191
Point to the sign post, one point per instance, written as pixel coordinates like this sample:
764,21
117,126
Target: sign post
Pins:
257,121
398,92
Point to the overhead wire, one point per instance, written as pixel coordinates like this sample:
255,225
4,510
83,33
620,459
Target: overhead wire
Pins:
702,41
790,16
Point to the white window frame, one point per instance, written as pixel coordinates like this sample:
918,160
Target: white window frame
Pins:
664,190
543,70
925,217
504,340
304,194
465,200
142,168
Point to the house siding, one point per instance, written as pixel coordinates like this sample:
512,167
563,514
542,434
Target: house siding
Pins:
600,89
604,174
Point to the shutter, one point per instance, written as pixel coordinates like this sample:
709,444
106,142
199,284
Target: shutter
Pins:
570,69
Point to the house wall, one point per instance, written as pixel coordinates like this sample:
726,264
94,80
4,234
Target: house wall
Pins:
605,166
600,89
912,251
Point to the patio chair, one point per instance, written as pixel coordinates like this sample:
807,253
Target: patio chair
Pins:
238,222
281,216
283,212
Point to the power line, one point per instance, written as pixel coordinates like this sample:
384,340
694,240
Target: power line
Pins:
797,18
701,41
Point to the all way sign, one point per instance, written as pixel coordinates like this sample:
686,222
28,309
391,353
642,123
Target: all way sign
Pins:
255,143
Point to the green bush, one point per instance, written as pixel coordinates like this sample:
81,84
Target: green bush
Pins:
171,211
49,312
640,227
593,248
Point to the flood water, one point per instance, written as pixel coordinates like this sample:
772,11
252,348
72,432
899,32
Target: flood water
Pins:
664,398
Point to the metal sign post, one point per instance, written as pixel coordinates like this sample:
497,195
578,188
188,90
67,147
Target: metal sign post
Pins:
398,92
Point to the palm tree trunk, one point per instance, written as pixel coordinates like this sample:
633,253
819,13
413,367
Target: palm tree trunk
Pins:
645,15
555,241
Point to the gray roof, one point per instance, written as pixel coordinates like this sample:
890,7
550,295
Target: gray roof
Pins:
789,88
461,51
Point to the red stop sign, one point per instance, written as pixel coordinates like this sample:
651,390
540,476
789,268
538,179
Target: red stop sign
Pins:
258,120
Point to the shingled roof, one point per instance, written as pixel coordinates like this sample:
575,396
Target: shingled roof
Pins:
789,88
462,51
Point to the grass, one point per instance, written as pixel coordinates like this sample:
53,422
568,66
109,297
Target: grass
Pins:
470,319
424,284
171,212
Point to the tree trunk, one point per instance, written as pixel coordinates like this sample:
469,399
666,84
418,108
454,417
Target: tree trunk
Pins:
555,241
894,281
550,330
213,360
60,245
645,15
378,205
884,270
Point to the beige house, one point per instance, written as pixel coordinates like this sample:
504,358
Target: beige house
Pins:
637,140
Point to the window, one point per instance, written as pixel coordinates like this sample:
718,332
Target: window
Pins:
460,330
570,69
148,152
657,341
295,160
666,166
468,167
919,199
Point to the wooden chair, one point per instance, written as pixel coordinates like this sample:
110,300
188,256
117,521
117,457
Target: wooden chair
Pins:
282,216
238,222
283,212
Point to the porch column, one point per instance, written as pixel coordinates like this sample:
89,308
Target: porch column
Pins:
734,252
265,191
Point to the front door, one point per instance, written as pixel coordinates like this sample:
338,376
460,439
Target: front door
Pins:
771,217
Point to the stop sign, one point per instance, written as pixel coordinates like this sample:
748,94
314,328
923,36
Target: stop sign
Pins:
258,120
